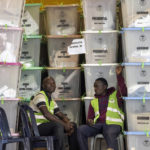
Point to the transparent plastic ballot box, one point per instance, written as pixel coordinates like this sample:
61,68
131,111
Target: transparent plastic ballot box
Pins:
137,140
11,12
101,46
67,82
137,79
65,20
95,71
10,76
58,51
99,14
137,113
31,18
135,13
30,82
138,50
71,107
10,44
30,52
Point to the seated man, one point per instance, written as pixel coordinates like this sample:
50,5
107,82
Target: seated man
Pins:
104,115
50,120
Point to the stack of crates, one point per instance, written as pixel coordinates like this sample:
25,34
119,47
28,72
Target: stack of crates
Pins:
61,29
101,39
10,45
136,48
100,42
30,82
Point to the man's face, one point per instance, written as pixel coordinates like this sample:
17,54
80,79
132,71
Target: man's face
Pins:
99,88
49,85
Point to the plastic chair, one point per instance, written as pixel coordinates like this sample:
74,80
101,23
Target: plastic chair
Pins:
31,130
6,137
100,136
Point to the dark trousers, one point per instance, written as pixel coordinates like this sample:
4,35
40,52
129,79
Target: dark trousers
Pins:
110,133
57,130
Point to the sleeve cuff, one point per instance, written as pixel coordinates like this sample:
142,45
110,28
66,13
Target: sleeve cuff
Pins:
56,110
41,104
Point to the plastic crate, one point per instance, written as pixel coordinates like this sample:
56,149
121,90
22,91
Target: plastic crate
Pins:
71,108
11,12
101,47
94,71
9,74
10,43
30,52
99,14
65,20
138,50
30,83
137,79
136,13
58,51
67,82
137,141
31,19
11,108
137,114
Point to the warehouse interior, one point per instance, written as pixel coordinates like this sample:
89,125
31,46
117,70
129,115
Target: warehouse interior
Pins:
82,46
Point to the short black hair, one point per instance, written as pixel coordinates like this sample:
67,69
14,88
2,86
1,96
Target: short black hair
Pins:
104,81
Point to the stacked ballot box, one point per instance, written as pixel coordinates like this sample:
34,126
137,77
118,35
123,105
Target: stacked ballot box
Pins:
67,82
136,51
61,31
31,19
30,53
101,44
30,82
65,20
10,46
70,107
58,51
138,140
101,38
11,12
100,31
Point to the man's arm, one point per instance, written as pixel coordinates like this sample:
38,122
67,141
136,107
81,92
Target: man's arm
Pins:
62,117
91,116
122,89
52,117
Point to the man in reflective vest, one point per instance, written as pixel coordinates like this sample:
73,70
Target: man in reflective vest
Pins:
50,120
104,115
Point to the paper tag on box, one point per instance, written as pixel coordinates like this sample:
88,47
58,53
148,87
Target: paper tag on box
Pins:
77,47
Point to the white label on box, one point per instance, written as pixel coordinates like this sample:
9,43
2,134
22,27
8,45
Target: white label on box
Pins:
77,47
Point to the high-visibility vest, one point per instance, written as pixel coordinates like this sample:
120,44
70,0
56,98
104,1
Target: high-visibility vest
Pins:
39,116
114,114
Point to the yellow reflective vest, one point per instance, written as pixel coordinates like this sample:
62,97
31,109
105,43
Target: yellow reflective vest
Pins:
114,114
39,116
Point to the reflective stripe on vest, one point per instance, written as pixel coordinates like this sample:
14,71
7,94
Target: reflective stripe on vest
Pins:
39,116
115,110
96,109
114,114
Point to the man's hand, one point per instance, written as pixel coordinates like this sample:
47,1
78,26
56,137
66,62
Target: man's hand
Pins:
71,128
67,127
119,70
71,131
90,122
